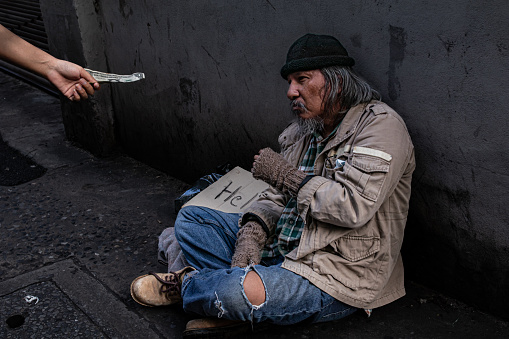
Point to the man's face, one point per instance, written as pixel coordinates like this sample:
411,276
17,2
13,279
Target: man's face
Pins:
306,91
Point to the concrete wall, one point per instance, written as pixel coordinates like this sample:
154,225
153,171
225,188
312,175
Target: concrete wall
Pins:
213,94
75,31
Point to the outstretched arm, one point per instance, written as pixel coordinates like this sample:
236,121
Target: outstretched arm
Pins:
70,79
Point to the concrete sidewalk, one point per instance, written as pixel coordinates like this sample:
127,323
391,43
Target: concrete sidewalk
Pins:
73,239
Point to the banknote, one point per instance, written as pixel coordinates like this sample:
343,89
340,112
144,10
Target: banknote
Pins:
110,77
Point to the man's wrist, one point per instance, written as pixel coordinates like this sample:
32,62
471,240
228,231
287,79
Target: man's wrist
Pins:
46,65
293,181
247,217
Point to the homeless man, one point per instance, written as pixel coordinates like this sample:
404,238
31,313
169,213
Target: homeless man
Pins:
324,240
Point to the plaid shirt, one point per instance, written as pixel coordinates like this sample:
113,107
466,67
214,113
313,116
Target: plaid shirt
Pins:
290,225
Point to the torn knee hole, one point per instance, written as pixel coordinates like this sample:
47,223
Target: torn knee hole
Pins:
254,289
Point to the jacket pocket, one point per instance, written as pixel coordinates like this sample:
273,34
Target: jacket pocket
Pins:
351,260
356,248
367,173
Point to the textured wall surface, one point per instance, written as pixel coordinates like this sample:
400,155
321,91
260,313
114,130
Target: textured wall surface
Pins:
213,94
75,32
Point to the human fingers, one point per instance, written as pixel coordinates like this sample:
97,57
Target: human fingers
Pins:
88,87
79,92
89,78
254,162
74,95
260,154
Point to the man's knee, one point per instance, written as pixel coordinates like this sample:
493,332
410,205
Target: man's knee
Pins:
254,289
186,218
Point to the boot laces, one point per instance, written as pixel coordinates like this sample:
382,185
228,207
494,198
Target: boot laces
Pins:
170,284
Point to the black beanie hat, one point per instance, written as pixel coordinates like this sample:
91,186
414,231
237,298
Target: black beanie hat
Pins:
315,52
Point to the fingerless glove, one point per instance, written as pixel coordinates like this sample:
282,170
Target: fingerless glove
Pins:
272,168
250,240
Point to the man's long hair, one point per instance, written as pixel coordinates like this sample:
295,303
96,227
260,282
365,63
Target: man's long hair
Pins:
345,89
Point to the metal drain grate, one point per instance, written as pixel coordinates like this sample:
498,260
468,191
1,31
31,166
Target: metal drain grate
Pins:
24,18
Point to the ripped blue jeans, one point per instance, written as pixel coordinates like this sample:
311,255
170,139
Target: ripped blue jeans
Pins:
207,238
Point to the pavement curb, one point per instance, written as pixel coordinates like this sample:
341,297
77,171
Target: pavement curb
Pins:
87,294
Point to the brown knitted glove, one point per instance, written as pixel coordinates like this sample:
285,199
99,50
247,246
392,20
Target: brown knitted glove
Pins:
250,240
272,168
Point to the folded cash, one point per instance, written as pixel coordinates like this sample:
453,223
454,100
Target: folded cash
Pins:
110,77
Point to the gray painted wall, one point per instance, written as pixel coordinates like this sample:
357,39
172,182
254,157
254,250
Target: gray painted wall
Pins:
75,34
213,94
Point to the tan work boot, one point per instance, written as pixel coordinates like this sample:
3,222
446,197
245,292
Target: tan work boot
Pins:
159,289
215,328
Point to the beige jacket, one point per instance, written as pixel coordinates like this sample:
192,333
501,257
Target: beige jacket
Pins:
355,209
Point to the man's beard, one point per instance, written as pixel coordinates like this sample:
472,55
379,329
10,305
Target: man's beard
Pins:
306,126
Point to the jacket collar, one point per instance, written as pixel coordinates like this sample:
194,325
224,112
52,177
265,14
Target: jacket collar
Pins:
348,125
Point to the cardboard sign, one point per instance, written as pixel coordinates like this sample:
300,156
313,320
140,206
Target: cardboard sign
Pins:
232,193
